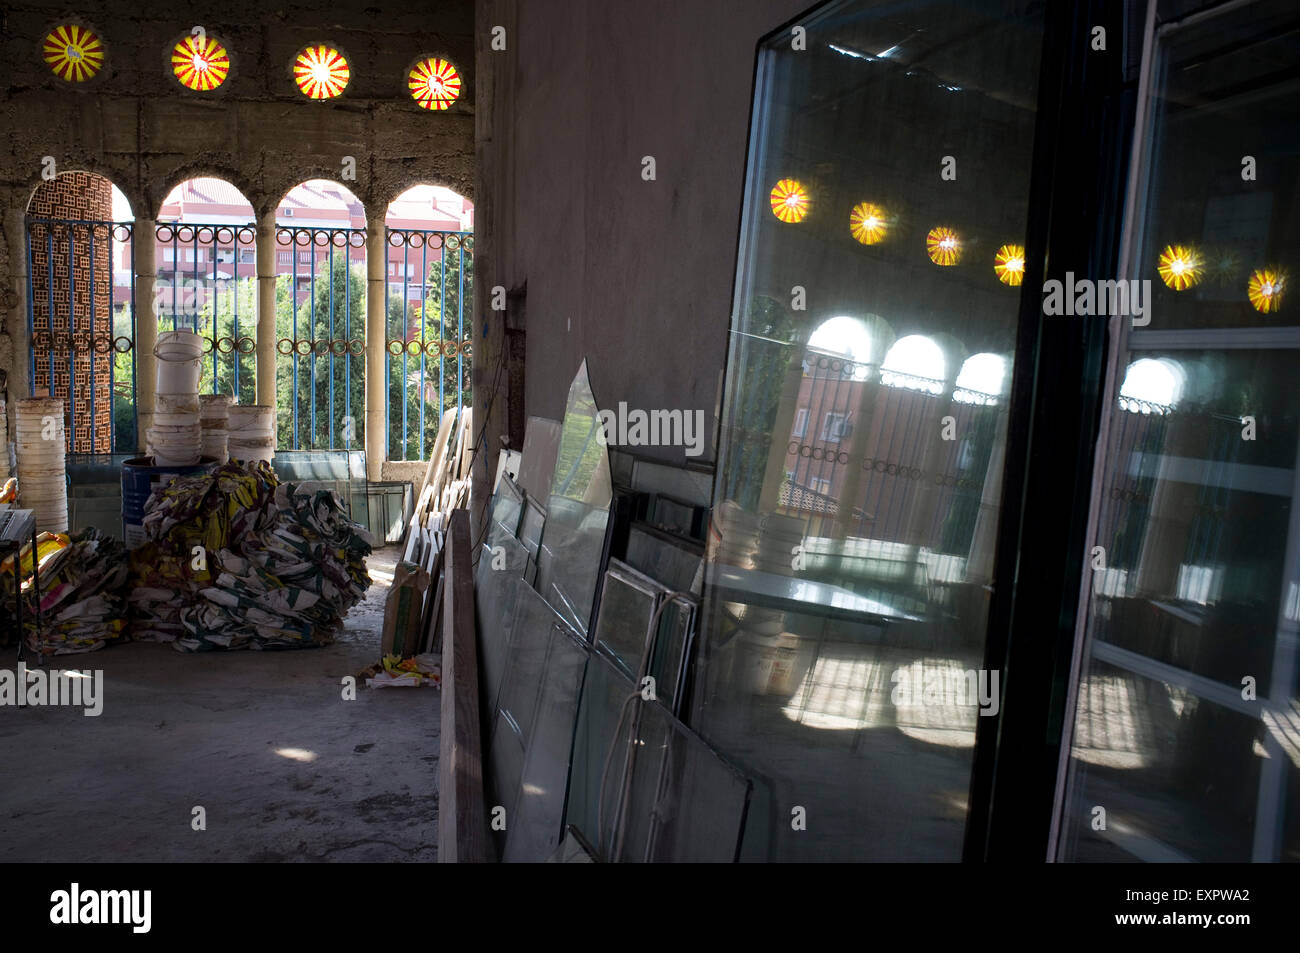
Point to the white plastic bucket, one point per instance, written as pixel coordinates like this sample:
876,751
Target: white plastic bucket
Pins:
258,419
179,377
215,405
182,344
215,446
176,420
177,403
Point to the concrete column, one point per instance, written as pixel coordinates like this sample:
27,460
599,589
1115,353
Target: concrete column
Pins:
265,366
146,324
376,333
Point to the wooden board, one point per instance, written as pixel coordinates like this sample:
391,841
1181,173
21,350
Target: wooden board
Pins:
462,814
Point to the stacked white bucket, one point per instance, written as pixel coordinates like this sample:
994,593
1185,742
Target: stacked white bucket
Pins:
251,430
176,437
42,468
214,415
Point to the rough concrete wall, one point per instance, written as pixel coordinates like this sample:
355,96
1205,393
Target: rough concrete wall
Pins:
635,275
139,127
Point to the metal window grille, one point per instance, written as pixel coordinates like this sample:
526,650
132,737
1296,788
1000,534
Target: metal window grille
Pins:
428,365
81,325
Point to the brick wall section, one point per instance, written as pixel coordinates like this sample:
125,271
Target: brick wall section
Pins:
83,196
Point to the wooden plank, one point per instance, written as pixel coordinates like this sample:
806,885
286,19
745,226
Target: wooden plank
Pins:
462,816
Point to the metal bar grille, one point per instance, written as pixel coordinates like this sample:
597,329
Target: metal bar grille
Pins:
82,327
428,275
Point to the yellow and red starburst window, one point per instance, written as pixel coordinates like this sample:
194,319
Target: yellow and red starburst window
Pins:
1180,266
943,246
200,63
790,201
321,72
434,83
73,52
867,223
1265,289
1009,264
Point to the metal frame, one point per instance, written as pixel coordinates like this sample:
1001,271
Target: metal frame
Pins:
462,245
109,345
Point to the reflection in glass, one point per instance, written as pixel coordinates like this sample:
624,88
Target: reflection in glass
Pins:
1186,715
860,459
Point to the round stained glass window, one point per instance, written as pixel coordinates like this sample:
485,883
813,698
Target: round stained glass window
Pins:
200,63
321,72
74,52
434,83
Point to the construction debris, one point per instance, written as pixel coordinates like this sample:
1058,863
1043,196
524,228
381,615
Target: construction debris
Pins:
397,672
234,559
82,605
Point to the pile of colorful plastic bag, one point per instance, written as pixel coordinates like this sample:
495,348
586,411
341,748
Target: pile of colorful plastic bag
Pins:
234,559
81,599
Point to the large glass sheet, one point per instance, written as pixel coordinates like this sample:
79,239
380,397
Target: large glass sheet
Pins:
684,803
577,510
507,508
530,526
1186,724
672,651
496,592
537,464
674,562
534,829
532,627
627,604
864,423
597,758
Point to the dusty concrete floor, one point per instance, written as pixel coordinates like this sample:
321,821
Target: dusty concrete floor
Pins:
284,767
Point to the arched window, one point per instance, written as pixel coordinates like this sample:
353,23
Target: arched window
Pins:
205,259
982,379
915,362
429,283
320,309
1151,386
80,311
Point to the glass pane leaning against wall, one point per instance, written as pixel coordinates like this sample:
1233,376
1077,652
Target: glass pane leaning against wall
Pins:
865,423
1186,738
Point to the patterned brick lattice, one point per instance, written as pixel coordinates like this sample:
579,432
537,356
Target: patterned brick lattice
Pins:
82,196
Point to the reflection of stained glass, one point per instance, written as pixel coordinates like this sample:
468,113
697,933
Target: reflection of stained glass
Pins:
200,63
73,52
790,201
1009,264
1179,266
1265,289
867,223
943,246
321,72
434,83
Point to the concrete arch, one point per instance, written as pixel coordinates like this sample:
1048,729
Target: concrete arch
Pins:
399,187
132,195
365,206
281,185
201,170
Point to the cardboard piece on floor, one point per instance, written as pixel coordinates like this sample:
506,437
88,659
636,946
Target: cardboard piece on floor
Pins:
403,611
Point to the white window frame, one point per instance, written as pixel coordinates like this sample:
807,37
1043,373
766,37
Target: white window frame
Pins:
833,426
